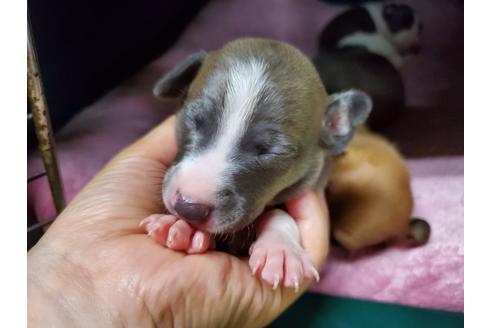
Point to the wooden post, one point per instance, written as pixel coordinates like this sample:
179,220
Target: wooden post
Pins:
42,123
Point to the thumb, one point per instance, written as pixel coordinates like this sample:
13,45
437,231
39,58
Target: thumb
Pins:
158,144
311,214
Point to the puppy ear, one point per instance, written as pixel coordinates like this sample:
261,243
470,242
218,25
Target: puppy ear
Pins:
174,82
346,111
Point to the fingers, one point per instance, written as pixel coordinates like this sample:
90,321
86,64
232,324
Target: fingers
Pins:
168,231
311,214
179,236
200,242
158,144
157,226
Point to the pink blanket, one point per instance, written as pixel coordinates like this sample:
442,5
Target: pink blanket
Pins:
430,276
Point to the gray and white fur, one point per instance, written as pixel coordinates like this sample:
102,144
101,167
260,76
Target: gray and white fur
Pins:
256,128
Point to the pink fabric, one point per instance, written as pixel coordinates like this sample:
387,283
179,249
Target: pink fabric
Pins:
430,276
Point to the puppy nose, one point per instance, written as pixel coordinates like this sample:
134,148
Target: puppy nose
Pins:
190,210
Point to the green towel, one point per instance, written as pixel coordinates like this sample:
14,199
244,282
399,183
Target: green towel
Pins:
317,310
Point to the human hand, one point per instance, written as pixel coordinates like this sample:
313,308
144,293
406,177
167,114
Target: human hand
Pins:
96,267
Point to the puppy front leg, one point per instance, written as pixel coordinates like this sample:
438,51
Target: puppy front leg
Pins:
277,255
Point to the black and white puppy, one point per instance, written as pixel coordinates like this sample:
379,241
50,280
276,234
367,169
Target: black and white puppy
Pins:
363,48
256,128
390,29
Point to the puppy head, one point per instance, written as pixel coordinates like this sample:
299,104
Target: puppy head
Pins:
400,24
255,127
390,29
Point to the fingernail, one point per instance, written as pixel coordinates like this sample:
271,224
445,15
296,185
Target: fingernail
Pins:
315,274
170,237
153,226
152,219
276,282
255,268
197,243
296,284
250,250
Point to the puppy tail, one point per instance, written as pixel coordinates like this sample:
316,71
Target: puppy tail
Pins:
419,232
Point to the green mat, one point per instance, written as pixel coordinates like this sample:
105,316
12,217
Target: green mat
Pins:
316,310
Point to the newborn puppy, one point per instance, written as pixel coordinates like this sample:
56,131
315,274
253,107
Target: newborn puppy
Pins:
391,30
256,128
363,48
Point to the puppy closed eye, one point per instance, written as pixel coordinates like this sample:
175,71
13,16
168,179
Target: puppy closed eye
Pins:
195,121
262,149
265,151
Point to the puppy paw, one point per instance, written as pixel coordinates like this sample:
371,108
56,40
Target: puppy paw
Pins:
175,234
281,262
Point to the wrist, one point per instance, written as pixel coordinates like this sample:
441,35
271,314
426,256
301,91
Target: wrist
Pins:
58,293
45,309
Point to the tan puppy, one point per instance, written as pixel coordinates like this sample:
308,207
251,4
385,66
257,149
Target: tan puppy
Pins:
370,197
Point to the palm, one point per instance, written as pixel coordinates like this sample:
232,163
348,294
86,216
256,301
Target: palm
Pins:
99,233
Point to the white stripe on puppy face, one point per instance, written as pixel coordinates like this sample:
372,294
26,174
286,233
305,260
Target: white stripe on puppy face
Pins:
246,80
199,176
